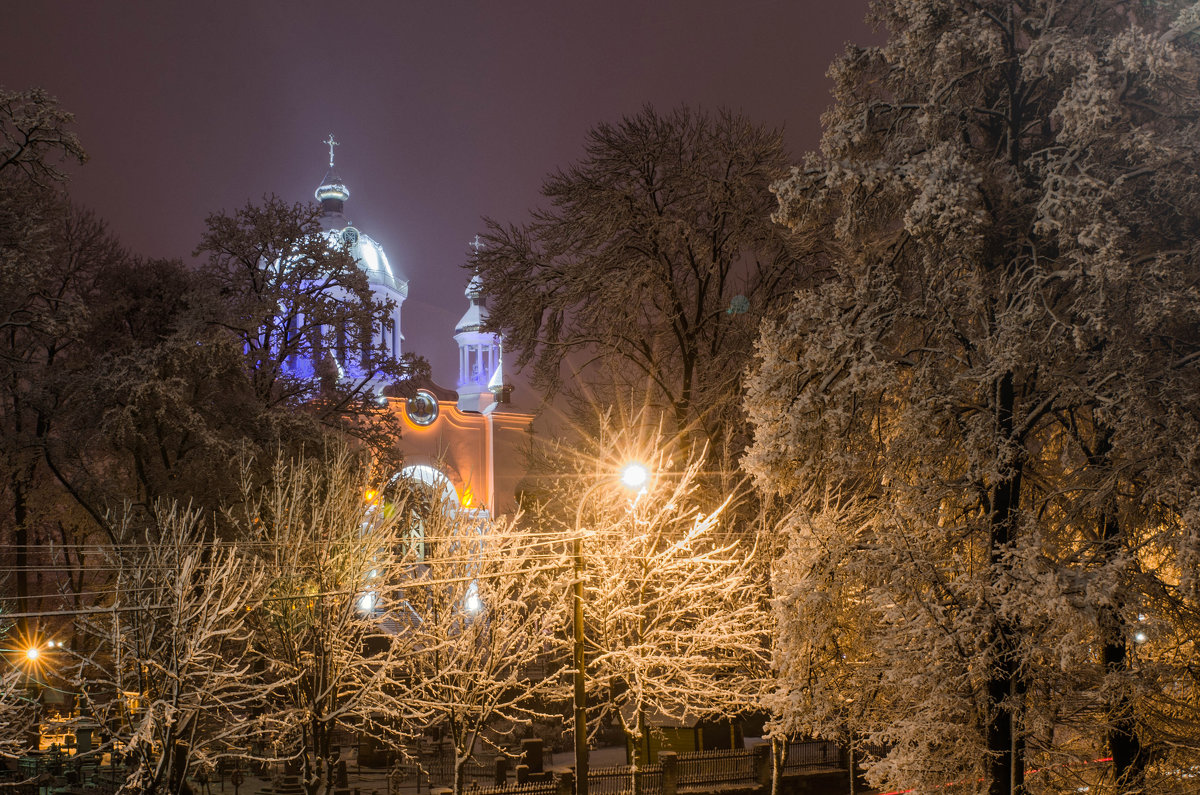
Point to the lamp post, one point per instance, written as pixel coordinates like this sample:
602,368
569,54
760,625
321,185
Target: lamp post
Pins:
633,476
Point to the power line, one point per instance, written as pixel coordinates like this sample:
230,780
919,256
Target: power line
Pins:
423,582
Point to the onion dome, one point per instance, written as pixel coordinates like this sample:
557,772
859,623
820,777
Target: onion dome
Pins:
333,193
476,315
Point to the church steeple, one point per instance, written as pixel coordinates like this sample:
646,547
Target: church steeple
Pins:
481,382
332,192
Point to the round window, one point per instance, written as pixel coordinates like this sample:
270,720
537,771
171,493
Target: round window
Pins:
421,408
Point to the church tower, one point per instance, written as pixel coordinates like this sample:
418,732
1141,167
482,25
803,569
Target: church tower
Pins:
386,284
480,369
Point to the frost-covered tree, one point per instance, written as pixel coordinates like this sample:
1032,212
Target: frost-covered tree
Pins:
651,267
675,600
294,296
164,666
35,137
50,255
985,417
487,606
297,304
330,633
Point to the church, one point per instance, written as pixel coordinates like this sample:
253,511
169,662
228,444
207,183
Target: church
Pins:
469,442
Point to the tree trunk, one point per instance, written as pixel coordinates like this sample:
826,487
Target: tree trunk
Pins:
1124,743
1006,757
456,781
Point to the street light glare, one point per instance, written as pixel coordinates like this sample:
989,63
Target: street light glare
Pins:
32,653
634,476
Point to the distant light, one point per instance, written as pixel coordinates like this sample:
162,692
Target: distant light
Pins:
370,495
634,476
474,603
366,603
32,653
1140,637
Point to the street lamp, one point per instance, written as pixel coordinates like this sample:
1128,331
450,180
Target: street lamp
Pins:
633,476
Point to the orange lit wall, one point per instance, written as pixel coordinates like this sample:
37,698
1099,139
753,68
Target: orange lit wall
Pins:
483,455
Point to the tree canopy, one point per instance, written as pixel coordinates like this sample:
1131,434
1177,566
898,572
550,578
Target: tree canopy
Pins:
985,416
648,272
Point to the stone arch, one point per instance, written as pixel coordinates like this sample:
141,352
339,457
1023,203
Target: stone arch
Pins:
434,478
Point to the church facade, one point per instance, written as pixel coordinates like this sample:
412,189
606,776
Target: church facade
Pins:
469,442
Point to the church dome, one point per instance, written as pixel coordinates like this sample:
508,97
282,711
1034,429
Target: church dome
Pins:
476,315
332,193
370,257
333,187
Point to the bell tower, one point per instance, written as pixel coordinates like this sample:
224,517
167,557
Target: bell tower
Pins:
480,368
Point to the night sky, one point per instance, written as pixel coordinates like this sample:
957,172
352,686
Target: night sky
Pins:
446,111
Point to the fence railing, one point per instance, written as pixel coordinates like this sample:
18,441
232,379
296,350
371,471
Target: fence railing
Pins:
532,788
475,774
716,767
748,770
689,771
806,754
619,780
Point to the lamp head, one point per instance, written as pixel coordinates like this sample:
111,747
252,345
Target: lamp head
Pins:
634,476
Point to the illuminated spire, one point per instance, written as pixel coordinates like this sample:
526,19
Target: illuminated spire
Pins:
332,193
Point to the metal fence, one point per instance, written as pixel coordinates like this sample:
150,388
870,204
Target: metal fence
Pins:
538,788
439,772
806,754
703,768
619,780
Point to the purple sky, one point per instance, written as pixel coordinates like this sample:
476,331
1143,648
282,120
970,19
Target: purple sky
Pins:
446,111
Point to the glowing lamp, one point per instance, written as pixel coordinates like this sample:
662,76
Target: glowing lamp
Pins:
634,476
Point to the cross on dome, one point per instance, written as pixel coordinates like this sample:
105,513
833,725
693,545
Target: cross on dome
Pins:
332,143
476,244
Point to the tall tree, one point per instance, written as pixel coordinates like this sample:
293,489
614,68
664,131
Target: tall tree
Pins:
977,416
291,295
49,255
675,614
167,670
487,604
336,558
650,268
292,300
